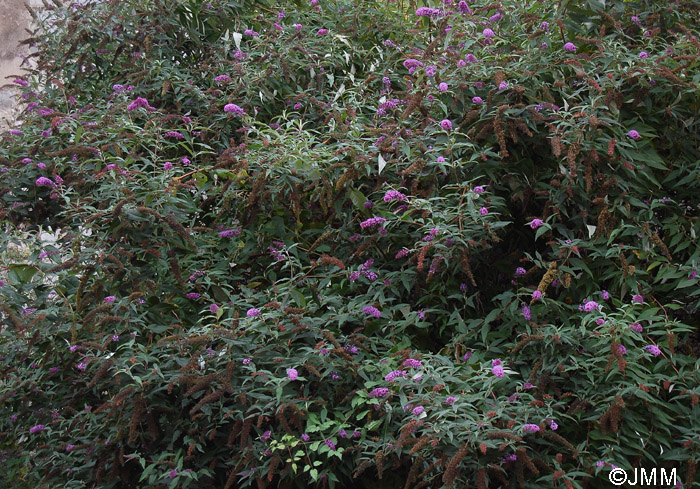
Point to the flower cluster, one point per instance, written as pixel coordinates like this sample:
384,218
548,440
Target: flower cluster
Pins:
387,105
230,233
365,272
394,195
497,368
371,222
234,109
535,223
379,392
276,249
395,374
412,64
45,182
412,363
138,103
427,12
372,311
636,327
402,252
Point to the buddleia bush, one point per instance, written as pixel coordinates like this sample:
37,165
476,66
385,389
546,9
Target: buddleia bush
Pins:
346,244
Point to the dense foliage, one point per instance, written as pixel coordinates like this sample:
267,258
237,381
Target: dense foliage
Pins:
318,245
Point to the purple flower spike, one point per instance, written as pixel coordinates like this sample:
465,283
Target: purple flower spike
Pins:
497,370
536,223
411,363
45,182
379,392
372,311
234,109
138,103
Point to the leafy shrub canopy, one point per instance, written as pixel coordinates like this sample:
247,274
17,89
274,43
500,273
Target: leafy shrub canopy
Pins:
319,245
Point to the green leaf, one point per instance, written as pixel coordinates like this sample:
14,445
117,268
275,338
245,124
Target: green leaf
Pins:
687,283
298,298
485,327
219,294
541,230
78,133
20,273
358,199
147,471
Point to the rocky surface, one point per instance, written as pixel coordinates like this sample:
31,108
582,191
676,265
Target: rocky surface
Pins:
14,24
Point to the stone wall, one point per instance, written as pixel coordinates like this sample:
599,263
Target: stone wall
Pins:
14,22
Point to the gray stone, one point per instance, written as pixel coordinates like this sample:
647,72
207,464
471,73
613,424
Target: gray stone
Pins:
14,24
